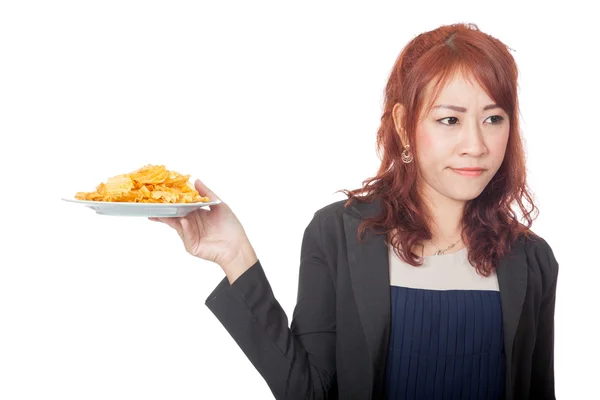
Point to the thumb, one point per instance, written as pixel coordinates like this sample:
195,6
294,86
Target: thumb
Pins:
203,190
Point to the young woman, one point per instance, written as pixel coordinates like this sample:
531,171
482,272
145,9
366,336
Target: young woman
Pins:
422,284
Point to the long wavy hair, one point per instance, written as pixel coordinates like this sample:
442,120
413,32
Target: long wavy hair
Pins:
489,225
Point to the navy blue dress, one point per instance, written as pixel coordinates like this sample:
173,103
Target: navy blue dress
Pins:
446,338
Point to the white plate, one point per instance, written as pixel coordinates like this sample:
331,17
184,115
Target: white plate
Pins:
122,209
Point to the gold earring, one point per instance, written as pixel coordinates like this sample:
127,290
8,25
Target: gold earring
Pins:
407,156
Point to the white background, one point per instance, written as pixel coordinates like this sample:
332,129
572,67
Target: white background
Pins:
275,105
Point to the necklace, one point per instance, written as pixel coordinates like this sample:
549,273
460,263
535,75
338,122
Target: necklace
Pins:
440,252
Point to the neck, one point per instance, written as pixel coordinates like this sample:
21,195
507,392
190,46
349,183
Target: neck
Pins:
446,220
446,227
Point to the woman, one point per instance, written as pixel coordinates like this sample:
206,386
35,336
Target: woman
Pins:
422,284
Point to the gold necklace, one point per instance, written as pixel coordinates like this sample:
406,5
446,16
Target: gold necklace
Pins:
440,252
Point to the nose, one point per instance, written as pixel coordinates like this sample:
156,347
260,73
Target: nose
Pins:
472,140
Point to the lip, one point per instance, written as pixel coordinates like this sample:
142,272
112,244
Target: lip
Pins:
468,171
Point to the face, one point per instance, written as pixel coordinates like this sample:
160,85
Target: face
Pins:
472,135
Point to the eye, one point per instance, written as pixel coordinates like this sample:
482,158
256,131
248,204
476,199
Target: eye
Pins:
498,118
454,120
450,118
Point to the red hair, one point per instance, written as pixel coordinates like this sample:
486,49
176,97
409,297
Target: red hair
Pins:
489,225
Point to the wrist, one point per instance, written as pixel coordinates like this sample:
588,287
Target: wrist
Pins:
244,259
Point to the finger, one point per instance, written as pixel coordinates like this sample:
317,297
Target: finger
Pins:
190,233
153,219
186,228
203,190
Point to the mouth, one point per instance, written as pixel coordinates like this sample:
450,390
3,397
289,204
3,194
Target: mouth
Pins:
468,171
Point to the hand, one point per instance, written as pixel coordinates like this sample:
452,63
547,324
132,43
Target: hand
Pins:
215,235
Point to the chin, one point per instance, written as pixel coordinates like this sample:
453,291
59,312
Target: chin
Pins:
465,195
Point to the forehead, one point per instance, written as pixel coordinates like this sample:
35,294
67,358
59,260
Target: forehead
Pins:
460,87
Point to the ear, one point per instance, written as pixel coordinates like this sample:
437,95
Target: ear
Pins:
398,115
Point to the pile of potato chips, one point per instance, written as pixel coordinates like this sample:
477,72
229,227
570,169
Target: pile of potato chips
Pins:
149,184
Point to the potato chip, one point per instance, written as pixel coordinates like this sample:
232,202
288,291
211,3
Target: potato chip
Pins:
148,184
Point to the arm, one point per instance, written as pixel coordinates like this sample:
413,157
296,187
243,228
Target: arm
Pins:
542,374
296,363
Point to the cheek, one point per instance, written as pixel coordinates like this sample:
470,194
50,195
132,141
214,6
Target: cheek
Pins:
497,145
431,148
497,150
426,140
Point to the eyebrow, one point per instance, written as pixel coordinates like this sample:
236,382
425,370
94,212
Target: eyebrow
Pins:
462,109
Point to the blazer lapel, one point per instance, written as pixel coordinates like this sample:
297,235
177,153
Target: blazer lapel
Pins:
368,263
512,281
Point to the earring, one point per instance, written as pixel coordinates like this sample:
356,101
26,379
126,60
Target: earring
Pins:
407,156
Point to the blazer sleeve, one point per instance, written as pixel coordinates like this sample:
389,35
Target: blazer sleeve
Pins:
297,362
542,374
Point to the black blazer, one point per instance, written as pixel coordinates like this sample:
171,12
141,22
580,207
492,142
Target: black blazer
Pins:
336,345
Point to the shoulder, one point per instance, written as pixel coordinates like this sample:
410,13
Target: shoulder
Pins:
329,218
355,207
328,224
332,210
540,258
